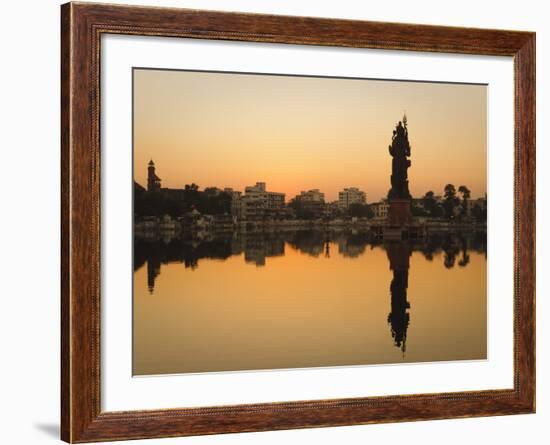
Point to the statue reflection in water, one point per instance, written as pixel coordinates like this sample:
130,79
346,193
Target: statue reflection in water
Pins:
398,318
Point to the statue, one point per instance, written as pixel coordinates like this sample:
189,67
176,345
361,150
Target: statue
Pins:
399,197
400,150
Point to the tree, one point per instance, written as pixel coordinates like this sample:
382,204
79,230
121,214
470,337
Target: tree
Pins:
157,204
193,187
479,213
360,210
176,202
300,211
465,192
431,205
214,204
449,191
418,211
191,196
450,201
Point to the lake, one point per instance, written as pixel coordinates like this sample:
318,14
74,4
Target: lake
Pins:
236,301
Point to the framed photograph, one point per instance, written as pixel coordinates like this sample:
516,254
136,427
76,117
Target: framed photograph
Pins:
274,222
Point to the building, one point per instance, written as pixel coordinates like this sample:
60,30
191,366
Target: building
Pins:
258,204
153,181
332,210
380,209
311,203
350,196
235,200
313,195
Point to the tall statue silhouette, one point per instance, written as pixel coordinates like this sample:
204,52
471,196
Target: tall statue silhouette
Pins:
400,150
399,196
398,318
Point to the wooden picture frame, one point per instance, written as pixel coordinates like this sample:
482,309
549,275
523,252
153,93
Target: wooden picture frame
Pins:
82,25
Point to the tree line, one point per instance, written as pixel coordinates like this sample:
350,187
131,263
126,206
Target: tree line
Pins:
454,205
176,202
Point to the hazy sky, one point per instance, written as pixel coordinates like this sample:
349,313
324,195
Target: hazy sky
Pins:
299,133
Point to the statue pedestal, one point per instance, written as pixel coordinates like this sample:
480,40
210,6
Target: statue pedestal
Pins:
399,214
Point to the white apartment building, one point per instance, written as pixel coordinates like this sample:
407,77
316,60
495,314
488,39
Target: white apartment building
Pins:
351,195
258,203
313,195
380,209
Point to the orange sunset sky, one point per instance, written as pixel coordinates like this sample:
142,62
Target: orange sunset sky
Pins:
299,133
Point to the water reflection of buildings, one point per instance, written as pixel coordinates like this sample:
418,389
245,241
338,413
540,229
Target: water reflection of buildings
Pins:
256,247
155,252
353,245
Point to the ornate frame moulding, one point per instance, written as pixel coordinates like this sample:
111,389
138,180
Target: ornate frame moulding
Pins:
82,25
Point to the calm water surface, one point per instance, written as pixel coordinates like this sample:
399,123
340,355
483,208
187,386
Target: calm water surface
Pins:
306,299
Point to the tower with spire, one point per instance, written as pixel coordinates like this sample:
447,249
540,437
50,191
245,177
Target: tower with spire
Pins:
153,181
